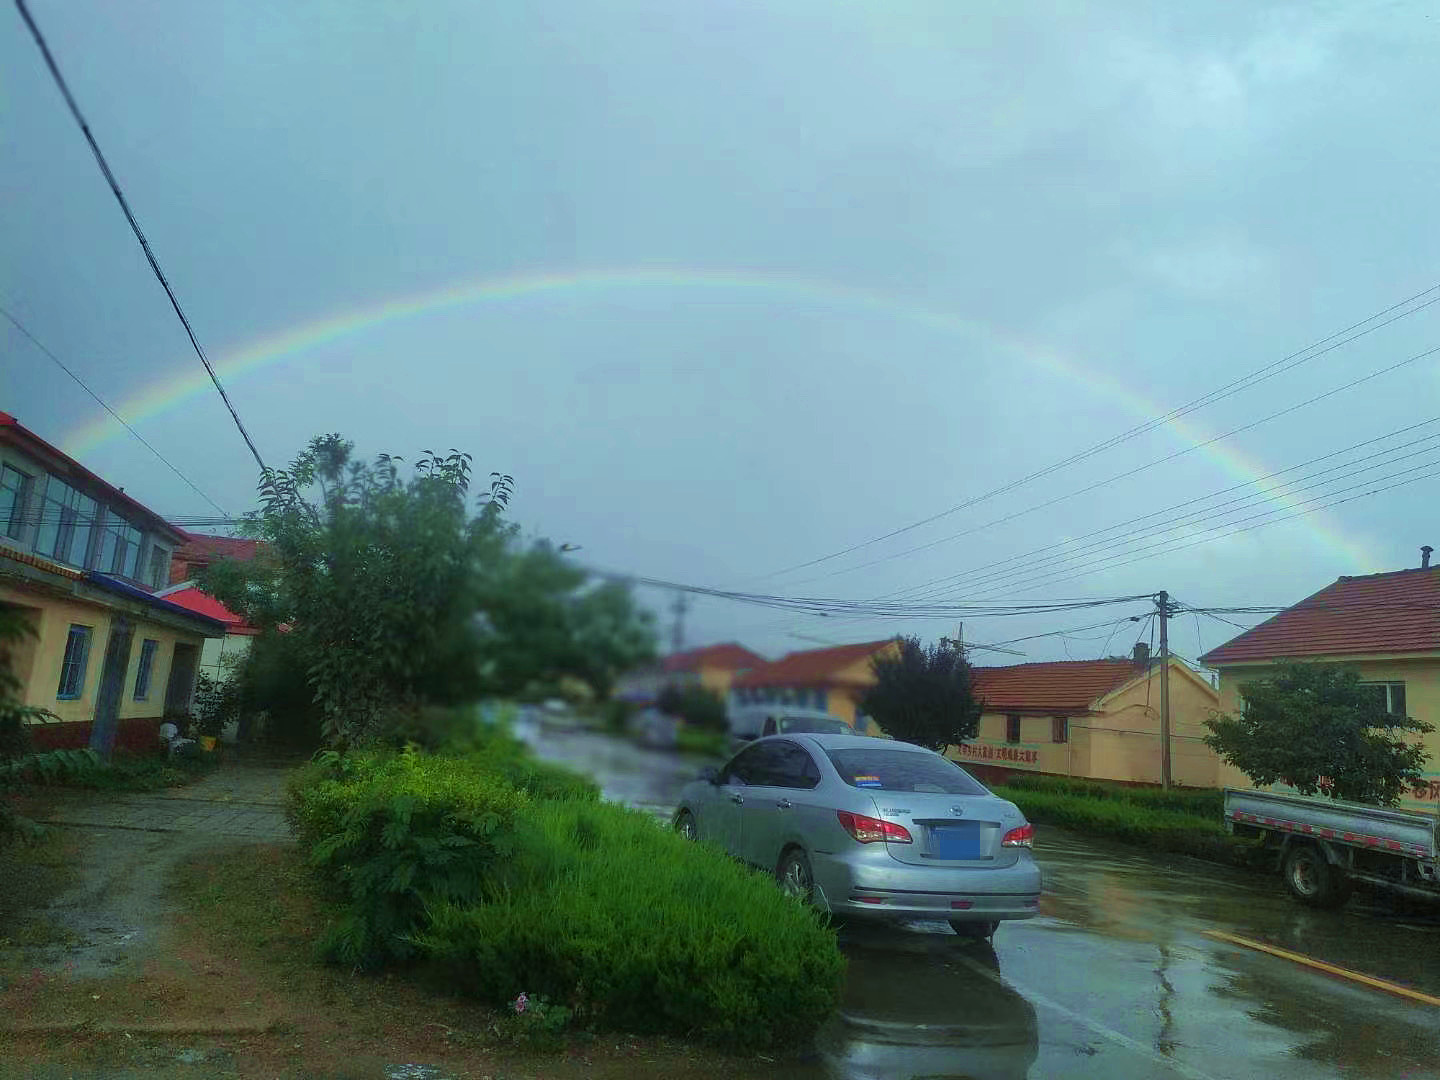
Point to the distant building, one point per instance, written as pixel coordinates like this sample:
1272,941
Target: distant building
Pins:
1386,626
82,561
1097,719
195,554
830,679
712,666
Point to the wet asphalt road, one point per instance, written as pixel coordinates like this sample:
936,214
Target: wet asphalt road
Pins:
1115,978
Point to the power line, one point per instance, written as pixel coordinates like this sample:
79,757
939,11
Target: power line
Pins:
104,405
1269,371
134,225
1057,554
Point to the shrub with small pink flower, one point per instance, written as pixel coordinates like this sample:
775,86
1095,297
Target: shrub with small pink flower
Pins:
534,1022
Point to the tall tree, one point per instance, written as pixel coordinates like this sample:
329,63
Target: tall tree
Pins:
1316,727
398,591
925,695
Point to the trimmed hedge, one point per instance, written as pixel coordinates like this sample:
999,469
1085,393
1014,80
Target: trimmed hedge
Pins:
1206,803
641,931
1105,811
392,834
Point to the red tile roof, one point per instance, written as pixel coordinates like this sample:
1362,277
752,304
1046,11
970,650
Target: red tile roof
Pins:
1398,612
1059,685
200,547
729,655
811,667
192,599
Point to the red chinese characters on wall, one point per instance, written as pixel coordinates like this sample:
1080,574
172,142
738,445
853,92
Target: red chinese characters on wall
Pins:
1014,754
1428,790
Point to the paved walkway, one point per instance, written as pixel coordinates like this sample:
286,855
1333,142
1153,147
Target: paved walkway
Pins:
243,799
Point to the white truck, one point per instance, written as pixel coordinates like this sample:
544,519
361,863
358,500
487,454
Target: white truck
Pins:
1326,845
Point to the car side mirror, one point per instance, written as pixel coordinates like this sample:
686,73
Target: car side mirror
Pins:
710,774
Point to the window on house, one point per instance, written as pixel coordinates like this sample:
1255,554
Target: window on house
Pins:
1012,728
159,566
1390,696
14,495
67,520
119,548
148,648
72,668
1060,729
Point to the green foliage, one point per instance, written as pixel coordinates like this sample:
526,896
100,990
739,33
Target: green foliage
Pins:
273,677
533,1022
697,706
1316,728
51,766
1207,803
924,695
397,596
15,627
702,743
129,772
394,834
216,703
615,716
641,931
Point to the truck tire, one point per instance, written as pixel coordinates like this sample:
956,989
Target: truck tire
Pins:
1312,880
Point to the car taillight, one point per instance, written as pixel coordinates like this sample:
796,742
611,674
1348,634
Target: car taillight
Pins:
1024,836
869,830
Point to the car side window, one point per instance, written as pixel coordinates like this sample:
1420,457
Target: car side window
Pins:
744,767
792,767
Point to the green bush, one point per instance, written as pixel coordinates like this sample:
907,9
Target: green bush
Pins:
690,740
640,931
392,834
1160,829
1199,802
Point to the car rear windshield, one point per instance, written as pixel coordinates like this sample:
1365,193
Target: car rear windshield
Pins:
903,770
804,724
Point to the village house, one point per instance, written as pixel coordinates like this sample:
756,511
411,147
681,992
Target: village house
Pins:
200,550
713,667
83,561
1097,719
829,680
1385,626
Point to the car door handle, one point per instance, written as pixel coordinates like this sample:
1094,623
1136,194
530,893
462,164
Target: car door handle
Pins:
737,798
783,804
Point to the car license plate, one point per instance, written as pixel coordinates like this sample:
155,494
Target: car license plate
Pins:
960,841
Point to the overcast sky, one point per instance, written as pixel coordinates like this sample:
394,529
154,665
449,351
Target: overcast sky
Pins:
735,286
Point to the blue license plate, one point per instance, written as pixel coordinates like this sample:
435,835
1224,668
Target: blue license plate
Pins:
955,841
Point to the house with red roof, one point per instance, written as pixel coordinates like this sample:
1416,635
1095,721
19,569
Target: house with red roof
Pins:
829,680
1086,718
197,552
81,562
1386,626
1097,719
714,667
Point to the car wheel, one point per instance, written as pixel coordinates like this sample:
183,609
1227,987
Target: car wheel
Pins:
685,825
794,875
974,930
1312,880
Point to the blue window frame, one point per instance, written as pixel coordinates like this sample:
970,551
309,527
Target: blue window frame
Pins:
72,668
146,666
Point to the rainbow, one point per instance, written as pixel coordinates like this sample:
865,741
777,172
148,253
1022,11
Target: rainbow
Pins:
189,381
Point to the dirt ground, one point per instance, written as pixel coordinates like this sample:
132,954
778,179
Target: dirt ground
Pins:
183,947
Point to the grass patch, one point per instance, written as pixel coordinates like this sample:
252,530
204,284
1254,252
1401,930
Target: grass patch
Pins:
31,875
699,741
138,772
638,930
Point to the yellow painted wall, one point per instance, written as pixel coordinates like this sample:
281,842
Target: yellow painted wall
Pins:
1120,740
54,617
1421,676
717,679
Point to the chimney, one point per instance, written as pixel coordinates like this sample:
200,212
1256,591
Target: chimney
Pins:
1142,654
1425,557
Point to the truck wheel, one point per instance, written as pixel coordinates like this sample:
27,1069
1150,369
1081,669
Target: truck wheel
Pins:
1312,880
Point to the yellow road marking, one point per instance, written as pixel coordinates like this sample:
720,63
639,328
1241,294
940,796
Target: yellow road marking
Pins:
1329,969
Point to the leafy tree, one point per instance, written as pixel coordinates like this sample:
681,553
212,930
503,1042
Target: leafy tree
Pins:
924,695
1316,728
394,593
696,705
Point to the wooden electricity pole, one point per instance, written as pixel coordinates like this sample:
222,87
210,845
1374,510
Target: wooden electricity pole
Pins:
1162,603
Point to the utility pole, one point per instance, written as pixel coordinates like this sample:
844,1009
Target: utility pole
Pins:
677,629
1162,604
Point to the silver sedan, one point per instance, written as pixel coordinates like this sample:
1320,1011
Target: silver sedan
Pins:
869,827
